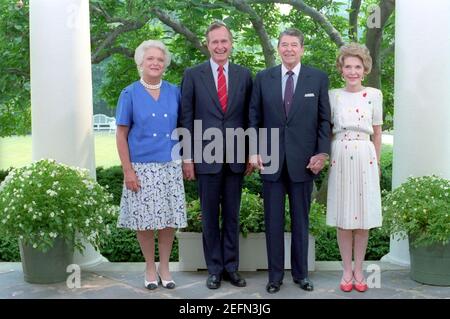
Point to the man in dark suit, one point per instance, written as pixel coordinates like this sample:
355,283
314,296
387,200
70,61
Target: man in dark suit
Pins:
216,95
290,99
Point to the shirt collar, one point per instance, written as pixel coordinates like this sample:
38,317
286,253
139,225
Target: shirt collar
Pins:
215,66
296,69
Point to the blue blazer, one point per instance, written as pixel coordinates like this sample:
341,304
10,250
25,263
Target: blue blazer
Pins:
307,129
199,101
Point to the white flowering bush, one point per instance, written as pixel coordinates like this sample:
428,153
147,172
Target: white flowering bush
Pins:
420,208
45,200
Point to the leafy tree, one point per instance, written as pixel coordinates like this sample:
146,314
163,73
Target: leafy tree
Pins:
117,28
15,113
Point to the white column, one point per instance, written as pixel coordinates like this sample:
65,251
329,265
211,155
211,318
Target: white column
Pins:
61,88
422,97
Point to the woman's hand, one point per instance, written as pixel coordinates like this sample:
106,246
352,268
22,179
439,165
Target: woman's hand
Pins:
188,170
131,180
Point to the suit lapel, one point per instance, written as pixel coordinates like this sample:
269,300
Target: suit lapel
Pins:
276,78
233,84
299,92
208,81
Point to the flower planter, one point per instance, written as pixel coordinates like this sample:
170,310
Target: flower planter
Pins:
49,267
431,264
252,252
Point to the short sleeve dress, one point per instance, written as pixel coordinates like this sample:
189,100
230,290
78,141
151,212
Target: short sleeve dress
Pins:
354,199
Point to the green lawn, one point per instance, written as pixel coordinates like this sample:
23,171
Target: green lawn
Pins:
15,151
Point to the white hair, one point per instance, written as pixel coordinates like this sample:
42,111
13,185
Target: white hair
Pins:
144,46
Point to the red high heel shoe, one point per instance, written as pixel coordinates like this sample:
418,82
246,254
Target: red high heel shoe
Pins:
360,285
347,286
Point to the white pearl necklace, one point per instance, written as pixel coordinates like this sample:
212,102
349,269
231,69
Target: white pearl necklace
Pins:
151,86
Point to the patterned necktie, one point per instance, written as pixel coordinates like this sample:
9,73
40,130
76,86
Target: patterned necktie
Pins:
222,89
288,92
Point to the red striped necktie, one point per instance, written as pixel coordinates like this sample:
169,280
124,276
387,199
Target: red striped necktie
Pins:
222,89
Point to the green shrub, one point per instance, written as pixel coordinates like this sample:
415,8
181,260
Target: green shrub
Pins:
190,190
46,199
194,217
9,248
122,245
4,173
113,178
327,248
419,208
251,214
253,184
386,168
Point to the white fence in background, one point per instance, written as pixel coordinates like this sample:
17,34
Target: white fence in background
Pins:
103,123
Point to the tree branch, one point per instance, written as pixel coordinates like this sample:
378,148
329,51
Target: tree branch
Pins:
353,20
373,42
318,17
17,71
106,53
129,26
181,29
258,25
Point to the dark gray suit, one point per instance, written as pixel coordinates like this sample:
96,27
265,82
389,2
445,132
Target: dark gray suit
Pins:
303,133
219,184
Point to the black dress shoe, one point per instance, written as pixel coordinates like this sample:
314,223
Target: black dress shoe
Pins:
213,281
305,284
234,278
273,287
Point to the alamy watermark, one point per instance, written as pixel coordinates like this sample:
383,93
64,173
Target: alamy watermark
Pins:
207,146
74,279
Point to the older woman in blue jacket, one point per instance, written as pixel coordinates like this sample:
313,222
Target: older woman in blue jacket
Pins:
153,192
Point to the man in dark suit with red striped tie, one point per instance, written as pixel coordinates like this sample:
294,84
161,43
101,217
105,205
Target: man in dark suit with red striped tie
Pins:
216,95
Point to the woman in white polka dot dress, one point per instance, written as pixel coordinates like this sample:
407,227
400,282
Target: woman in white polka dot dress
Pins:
354,201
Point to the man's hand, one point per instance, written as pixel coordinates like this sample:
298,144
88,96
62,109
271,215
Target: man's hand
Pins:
131,180
188,170
317,163
256,162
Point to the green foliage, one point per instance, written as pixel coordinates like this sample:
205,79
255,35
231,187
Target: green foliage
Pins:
251,214
190,190
419,208
112,178
253,184
194,217
9,248
251,217
15,114
121,245
45,200
118,70
4,173
327,248
386,168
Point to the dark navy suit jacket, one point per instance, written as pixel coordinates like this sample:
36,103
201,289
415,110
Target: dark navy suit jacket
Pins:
199,101
307,129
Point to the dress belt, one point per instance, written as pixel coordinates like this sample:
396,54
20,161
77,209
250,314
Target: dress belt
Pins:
351,136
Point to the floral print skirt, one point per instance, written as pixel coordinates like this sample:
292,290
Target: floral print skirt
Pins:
159,203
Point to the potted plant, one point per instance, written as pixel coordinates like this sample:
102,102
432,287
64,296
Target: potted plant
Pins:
420,209
252,242
50,207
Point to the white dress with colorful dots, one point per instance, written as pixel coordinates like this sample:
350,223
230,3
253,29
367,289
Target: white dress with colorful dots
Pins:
354,200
